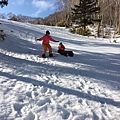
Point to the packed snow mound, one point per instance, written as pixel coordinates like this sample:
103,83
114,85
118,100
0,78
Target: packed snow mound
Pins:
83,87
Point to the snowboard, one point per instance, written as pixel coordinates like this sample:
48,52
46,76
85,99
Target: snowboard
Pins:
45,57
66,53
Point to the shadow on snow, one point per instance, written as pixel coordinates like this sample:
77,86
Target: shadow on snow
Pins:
79,94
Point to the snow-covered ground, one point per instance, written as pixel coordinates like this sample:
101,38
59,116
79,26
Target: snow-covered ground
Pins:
83,87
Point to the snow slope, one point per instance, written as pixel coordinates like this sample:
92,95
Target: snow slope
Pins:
83,87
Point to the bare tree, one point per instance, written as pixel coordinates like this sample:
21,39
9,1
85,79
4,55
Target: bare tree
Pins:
110,13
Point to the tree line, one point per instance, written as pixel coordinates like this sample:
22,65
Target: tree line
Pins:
109,11
101,12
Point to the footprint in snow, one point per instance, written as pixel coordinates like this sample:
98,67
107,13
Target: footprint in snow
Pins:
32,94
58,93
106,113
66,114
17,107
43,89
44,101
31,116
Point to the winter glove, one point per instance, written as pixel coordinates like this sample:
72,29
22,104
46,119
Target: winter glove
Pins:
37,39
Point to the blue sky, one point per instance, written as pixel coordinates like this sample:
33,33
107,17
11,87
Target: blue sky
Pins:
34,8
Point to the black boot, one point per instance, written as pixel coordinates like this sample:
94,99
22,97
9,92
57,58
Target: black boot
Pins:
43,55
50,55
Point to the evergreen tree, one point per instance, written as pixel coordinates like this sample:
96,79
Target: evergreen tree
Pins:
3,2
84,13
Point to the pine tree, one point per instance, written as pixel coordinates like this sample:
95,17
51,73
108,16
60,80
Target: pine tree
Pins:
3,2
83,14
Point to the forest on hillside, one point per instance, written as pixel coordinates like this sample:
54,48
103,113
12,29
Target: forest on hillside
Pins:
109,14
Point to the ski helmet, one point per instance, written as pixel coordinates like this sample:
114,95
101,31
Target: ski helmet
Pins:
47,32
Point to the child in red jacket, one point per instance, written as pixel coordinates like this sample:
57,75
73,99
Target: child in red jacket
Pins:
61,50
46,40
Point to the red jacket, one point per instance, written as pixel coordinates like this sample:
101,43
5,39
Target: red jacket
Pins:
61,47
46,39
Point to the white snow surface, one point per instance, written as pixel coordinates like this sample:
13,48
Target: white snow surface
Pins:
83,87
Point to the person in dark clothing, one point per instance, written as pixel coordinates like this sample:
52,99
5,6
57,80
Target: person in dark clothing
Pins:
61,50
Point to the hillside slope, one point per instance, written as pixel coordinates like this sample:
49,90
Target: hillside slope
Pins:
83,87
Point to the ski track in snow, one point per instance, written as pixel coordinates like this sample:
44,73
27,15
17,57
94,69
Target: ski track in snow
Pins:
85,87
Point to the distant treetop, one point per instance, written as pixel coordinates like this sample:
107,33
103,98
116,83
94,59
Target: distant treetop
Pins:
3,3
